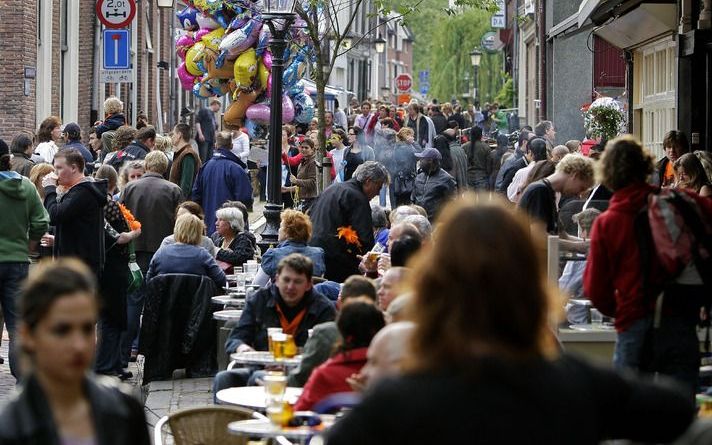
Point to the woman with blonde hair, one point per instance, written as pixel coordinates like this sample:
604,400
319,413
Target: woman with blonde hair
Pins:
186,255
131,171
164,144
483,354
402,167
37,174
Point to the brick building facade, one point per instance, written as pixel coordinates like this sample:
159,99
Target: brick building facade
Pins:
52,54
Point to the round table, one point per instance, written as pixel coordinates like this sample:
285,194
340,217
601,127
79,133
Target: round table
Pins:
264,358
253,397
227,300
227,315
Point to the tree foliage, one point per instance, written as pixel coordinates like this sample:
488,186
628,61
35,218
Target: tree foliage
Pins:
443,45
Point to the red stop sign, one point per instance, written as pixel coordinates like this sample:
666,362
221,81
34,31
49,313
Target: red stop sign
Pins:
404,82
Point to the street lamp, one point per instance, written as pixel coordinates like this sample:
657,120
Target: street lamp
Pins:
165,3
279,15
380,45
475,58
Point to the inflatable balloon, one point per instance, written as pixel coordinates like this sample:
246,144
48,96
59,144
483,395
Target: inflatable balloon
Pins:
202,89
199,34
183,44
192,57
263,40
255,130
188,18
267,59
287,109
293,73
296,89
236,23
303,108
216,67
235,113
262,74
245,69
186,79
207,22
208,6
259,113
212,38
239,40
219,87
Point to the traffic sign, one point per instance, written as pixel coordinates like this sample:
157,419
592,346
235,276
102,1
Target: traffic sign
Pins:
424,88
404,82
116,13
498,19
117,49
424,76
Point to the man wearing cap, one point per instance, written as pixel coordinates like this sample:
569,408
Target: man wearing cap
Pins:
433,185
73,135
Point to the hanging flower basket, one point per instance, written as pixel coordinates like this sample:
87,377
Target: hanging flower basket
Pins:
604,118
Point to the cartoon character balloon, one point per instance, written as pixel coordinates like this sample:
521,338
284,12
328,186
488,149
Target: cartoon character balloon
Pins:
183,44
246,69
303,108
188,18
239,40
193,57
213,38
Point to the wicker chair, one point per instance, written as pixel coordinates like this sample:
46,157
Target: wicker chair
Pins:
202,426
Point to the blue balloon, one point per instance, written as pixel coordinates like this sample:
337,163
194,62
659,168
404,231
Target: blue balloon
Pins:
202,90
303,108
255,130
188,18
296,89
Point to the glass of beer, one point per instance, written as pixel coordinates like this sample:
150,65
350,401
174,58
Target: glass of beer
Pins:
275,388
279,342
290,347
280,414
270,333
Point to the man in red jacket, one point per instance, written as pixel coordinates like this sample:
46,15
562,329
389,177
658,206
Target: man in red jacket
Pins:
616,285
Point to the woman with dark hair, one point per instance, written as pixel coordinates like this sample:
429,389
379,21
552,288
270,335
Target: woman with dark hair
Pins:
61,402
357,153
402,167
21,148
482,354
478,165
358,323
49,133
304,183
690,174
443,146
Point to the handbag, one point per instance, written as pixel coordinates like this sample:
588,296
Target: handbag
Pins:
135,274
226,267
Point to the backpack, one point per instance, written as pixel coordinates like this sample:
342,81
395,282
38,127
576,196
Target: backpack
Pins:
681,233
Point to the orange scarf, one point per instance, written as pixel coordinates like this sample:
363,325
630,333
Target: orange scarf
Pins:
290,327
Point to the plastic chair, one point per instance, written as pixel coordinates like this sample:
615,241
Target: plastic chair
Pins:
202,426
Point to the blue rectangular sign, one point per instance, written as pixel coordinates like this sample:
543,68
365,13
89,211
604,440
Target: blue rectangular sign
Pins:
117,49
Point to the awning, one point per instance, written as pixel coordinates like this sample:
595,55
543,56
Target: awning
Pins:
585,10
640,25
563,26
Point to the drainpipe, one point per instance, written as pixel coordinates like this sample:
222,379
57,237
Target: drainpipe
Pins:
541,22
629,86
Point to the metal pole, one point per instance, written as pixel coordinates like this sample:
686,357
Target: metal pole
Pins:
278,43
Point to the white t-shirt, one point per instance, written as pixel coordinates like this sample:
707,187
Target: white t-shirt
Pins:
47,150
241,147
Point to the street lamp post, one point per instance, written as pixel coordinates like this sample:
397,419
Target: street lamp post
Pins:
279,15
475,58
165,3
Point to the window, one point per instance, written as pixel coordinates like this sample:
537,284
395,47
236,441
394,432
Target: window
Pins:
655,85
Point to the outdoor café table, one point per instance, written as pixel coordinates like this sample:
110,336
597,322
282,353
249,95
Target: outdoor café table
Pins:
265,429
253,397
264,358
227,300
227,315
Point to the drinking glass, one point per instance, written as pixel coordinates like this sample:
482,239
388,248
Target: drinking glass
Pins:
290,347
270,333
278,345
596,317
275,388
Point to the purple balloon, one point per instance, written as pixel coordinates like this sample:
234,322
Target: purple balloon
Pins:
186,79
207,22
183,44
258,113
287,109
269,86
267,59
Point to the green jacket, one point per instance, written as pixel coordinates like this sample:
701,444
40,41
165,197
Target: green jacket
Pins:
23,218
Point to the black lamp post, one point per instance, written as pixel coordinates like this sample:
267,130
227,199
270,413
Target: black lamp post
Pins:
475,58
278,15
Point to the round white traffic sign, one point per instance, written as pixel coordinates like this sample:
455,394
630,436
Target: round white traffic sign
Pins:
116,13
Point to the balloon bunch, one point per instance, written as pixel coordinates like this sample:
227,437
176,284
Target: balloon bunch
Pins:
224,49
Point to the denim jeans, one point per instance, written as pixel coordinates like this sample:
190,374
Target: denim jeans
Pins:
235,377
108,357
11,277
672,349
134,307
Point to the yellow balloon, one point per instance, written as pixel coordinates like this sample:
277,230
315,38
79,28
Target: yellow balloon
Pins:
246,69
262,74
213,38
192,57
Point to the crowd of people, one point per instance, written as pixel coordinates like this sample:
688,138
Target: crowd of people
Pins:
432,304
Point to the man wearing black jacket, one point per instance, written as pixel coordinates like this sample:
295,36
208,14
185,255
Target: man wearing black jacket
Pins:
136,150
75,205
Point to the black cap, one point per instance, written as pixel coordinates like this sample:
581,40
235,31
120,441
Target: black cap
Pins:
72,130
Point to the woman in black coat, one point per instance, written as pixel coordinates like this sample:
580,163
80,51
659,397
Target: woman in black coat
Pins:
60,401
235,244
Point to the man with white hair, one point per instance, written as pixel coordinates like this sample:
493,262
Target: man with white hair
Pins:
390,286
422,224
385,355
